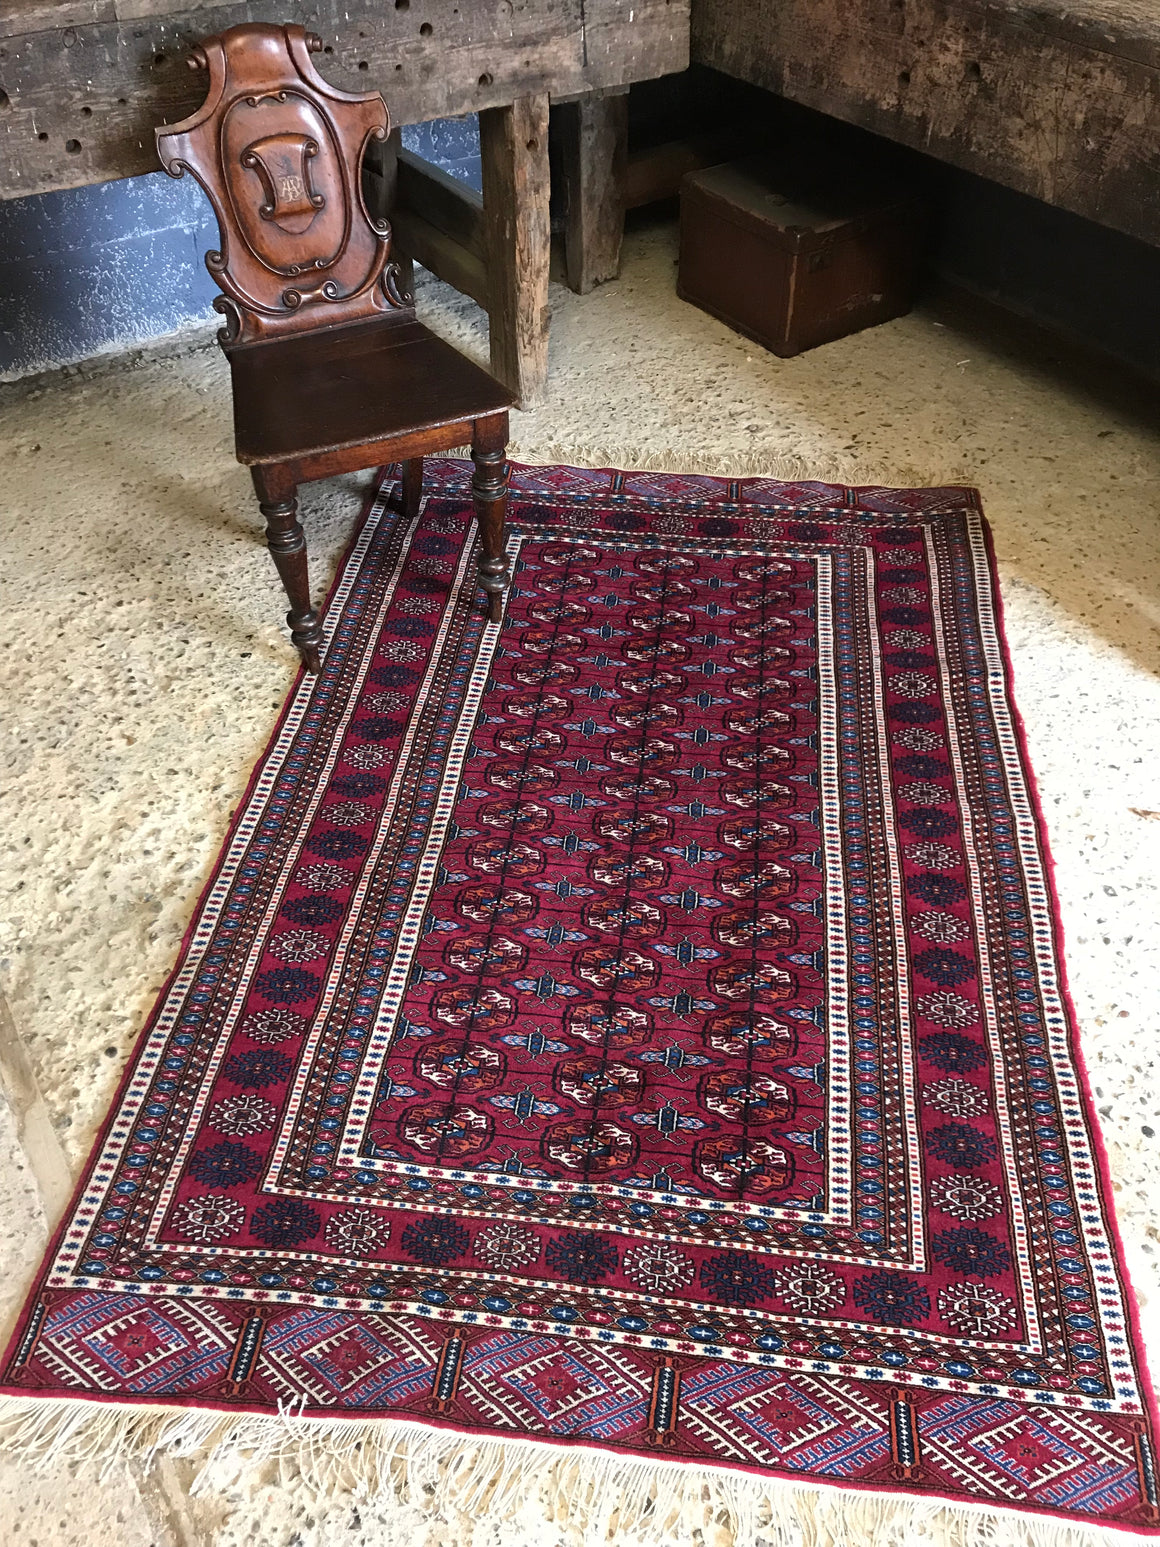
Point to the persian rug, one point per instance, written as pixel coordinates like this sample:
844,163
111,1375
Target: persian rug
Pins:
637,1027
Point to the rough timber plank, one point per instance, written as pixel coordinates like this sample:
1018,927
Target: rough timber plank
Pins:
1057,98
84,83
513,143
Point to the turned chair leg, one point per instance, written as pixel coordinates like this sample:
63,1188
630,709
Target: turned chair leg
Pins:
278,502
489,489
412,486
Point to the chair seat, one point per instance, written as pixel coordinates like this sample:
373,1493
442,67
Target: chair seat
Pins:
352,386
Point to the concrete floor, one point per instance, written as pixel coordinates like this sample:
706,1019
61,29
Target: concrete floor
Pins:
144,658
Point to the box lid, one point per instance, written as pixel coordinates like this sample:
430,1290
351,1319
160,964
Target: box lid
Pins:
797,205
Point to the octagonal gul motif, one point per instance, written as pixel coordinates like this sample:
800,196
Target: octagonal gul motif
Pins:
760,930
593,1081
489,955
652,679
611,1026
657,652
748,1168
636,920
609,967
752,1099
473,1008
747,1034
757,982
445,1131
751,832
648,752
516,816
629,871
499,904
454,1063
511,859
591,1146
633,826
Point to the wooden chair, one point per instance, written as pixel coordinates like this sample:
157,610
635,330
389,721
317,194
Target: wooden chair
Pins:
331,371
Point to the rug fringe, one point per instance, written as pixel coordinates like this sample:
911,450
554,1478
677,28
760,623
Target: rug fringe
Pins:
848,472
653,1502
851,472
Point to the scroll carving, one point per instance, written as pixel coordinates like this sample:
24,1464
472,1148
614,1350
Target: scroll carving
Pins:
279,154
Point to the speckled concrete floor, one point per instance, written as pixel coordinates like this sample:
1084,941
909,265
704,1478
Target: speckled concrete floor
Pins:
143,660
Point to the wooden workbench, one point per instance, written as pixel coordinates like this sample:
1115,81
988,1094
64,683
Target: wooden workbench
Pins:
1059,99
84,82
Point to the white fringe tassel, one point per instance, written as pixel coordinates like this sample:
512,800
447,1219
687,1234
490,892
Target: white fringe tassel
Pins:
654,1502
850,472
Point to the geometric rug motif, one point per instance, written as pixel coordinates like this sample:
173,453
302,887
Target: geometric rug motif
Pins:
639,1024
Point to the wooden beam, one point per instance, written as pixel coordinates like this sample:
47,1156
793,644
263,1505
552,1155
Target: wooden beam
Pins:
593,154
513,143
436,220
445,202
85,83
655,171
1060,101
442,254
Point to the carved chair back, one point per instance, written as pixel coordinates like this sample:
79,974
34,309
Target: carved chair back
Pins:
279,154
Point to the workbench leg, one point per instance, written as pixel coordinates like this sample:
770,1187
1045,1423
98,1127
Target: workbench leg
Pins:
513,143
593,157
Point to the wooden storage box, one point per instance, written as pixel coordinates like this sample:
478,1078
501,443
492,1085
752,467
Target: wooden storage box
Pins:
795,258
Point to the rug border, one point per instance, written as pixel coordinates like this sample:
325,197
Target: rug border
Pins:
102,1133
1059,944
769,1484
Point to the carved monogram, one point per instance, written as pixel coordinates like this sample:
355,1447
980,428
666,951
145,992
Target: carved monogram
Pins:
279,153
282,163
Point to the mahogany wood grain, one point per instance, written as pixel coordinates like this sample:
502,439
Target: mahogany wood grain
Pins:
352,386
331,370
412,492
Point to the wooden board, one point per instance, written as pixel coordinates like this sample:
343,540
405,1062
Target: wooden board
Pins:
83,84
1056,98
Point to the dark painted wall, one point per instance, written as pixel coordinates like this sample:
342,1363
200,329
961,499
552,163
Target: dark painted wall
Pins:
101,268
1093,285
95,268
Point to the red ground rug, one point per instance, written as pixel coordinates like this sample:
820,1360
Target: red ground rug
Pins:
637,1026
